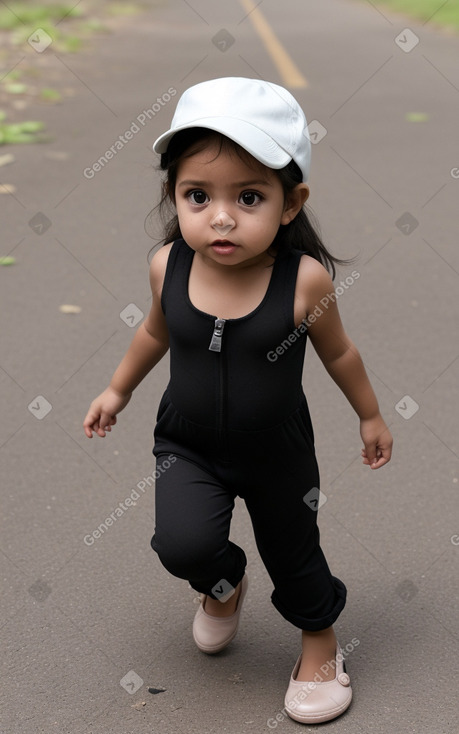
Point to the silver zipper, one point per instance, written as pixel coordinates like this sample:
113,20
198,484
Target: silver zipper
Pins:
216,341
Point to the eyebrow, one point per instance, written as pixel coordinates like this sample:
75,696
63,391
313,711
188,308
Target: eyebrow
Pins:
236,184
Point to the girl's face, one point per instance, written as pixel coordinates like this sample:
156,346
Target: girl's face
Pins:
229,210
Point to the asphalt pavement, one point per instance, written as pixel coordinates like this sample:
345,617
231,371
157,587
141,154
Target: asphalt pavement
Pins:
90,619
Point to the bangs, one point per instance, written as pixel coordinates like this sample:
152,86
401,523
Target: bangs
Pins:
187,143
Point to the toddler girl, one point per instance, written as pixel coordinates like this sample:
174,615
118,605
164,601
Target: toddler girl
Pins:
236,290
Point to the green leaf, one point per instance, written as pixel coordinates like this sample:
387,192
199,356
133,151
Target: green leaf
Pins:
16,88
31,126
416,117
50,95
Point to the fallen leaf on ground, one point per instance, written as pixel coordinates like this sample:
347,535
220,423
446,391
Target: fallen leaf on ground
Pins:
16,88
7,158
7,188
416,117
7,260
69,308
57,155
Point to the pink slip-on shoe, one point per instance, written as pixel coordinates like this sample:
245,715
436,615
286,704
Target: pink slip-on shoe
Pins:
313,702
212,634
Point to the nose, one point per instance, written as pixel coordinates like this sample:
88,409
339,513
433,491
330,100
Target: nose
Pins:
223,223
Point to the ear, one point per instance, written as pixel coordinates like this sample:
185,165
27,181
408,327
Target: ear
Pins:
294,202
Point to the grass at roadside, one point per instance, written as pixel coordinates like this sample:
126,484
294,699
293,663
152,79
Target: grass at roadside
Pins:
67,27
438,12
19,132
17,14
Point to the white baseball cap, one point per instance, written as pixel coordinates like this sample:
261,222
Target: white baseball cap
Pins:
262,117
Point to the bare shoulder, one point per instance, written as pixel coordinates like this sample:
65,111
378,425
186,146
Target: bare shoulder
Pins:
312,274
313,283
158,266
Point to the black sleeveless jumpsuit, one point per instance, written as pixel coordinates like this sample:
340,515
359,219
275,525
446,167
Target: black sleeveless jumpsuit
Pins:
235,417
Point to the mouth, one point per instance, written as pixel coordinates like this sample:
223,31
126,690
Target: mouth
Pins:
224,247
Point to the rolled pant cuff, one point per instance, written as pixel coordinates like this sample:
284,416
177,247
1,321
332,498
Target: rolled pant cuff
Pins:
314,625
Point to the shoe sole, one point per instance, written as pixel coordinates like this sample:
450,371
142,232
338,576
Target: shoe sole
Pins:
319,718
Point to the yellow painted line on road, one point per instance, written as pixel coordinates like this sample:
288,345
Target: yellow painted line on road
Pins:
288,70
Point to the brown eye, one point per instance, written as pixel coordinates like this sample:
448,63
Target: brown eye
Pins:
197,197
249,198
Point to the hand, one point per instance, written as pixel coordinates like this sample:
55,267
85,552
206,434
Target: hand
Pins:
102,412
377,440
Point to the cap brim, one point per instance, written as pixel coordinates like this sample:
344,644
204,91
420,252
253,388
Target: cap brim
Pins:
254,140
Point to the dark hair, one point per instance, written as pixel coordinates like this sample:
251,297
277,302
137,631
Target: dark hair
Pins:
302,233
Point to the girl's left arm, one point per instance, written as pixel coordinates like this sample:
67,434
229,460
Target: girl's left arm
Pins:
342,360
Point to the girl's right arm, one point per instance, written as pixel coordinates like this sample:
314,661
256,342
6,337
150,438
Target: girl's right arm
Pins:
150,344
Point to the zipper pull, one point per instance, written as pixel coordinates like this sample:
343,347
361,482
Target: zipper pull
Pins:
216,341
